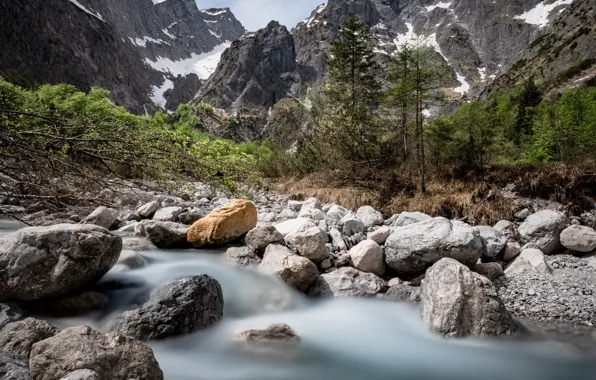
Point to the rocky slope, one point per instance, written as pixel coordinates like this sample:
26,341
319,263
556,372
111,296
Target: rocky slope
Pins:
147,52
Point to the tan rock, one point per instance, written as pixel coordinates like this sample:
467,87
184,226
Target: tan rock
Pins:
224,225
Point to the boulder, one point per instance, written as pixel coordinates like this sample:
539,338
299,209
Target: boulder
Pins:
292,225
11,369
181,307
456,302
492,271
311,213
191,215
82,374
512,249
336,213
507,229
544,230
522,214
168,214
147,210
411,249
260,238
224,225
367,256
137,244
112,356
242,257
369,216
295,205
350,225
579,238
131,259
348,282
102,216
267,217
164,235
296,271
286,214
9,312
17,338
380,235
277,333
309,242
402,293
531,260
493,241
407,218
337,240
312,203
49,262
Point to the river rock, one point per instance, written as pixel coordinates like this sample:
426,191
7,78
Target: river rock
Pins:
369,216
168,214
164,235
181,307
311,213
277,333
579,238
224,225
147,210
406,218
260,238
295,205
11,369
292,225
9,312
493,241
310,242
49,262
131,259
507,229
544,230
312,203
296,271
190,216
82,374
17,338
102,216
242,257
286,214
492,271
531,260
411,249
456,302
367,256
337,240
522,214
350,225
402,293
348,282
380,235
112,356
137,243
336,213
512,249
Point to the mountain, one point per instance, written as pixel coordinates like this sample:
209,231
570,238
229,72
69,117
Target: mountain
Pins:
147,52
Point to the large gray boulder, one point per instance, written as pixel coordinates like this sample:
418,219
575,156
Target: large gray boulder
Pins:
579,238
348,282
296,271
507,229
310,242
163,234
493,241
544,230
350,225
367,256
311,213
147,210
336,213
411,249
369,216
168,214
181,307
292,225
402,293
17,338
531,260
260,238
380,235
50,262
112,356
406,218
102,216
11,369
456,302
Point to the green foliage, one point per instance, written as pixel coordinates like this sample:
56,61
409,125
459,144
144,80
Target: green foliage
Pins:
207,108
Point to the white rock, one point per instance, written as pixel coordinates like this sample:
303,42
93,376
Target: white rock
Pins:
529,261
336,213
131,259
544,230
310,242
311,213
292,225
579,238
168,214
493,241
350,225
312,203
348,282
406,218
369,216
295,205
147,210
380,235
508,229
367,256
102,216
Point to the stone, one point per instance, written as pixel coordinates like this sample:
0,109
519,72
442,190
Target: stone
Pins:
369,216
579,238
312,203
242,257
407,218
82,374
286,214
50,262
367,256
224,225
402,293
137,244
296,271
394,281
267,217
543,229
522,214
309,242
380,235
413,248
17,338
348,282
9,312
493,241
181,307
168,214
102,216
350,225
311,213
292,225
492,271
112,356
260,238
147,210
507,229
530,260
336,213
191,215
295,205
131,259
164,235
11,369
512,249
277,333
456,302
337,240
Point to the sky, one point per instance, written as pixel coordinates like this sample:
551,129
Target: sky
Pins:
256,14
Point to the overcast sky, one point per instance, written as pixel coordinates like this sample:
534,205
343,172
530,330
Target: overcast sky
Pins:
255,14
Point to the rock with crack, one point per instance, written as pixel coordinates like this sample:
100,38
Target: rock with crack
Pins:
310,242
493,241
406,218
102,216
369,216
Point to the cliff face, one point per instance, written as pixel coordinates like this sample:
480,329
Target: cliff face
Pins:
140,50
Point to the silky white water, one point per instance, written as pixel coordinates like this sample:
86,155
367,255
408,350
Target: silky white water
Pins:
349,339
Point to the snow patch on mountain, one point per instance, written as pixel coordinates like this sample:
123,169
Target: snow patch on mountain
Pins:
313,18
540,14
443,5
158,93
86,10
142,42
212,12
